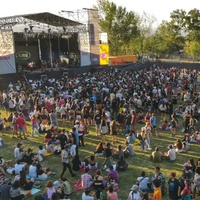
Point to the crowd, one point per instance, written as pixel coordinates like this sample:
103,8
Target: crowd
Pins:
115,102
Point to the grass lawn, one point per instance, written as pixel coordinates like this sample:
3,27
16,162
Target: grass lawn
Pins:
136,164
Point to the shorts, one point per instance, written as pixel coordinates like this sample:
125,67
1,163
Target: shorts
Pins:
104,130
98,126
1,127
64,116
22,129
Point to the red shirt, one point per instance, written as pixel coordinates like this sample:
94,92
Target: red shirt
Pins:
21,122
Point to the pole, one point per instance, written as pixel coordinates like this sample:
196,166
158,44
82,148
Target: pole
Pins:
50,52
39,49
59,48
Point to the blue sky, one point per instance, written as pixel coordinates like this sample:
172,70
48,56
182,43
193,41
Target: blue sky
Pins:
159,8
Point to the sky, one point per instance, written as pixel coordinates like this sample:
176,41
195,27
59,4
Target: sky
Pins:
160,9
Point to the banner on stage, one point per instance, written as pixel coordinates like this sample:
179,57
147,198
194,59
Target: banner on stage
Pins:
7,56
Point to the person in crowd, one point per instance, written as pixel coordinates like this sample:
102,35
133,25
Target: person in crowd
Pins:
173,187
99,149
121,164
129,151
87,195
49,190
134,193
86,179
111,194
171,154
143,181
157,194
65,157
113,174
109,159
76,163
113,130
156,155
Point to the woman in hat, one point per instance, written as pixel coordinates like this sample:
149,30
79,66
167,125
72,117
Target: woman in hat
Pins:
134,193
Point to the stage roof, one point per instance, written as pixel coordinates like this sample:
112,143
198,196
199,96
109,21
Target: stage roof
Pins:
41,22
45,18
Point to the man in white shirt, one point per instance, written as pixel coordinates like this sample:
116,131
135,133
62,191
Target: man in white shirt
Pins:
19,167
16,151
33,170
171,154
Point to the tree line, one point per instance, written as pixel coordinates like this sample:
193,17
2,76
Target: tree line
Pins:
129,33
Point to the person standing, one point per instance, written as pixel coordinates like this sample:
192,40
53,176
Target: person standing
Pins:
153,123
157,194
53,118
113,130
34,125
97,119
1,125
173,187
20,121
65,161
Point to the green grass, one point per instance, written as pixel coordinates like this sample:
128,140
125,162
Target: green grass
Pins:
137,163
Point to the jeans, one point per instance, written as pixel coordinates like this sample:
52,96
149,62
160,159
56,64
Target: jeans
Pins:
35,126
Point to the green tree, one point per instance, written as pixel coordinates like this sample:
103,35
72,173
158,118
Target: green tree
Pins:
120,25
193,49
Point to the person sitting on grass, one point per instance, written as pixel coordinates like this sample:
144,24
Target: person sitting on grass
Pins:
15,191
171,154
121,164
128,151
24,182
76,163
99,149
111,194
41,153
19,166
156,155
92,162
113,174
43,173
86,179
164,126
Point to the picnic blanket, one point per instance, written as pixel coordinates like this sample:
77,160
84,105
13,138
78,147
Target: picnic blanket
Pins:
33,191
78,186
90,170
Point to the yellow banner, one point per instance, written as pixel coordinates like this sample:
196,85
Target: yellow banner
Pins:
104,54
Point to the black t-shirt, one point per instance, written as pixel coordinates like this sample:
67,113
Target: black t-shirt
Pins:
97,118
173,186
108,152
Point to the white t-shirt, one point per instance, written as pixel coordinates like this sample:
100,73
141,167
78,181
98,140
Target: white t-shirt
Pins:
18,168
143,182
16,152
33,171
134,196
73,150
41,152
172,154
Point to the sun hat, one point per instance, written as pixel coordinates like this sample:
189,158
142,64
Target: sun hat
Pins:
134,187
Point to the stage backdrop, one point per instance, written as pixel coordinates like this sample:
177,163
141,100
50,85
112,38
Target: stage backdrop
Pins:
25,54
7,57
